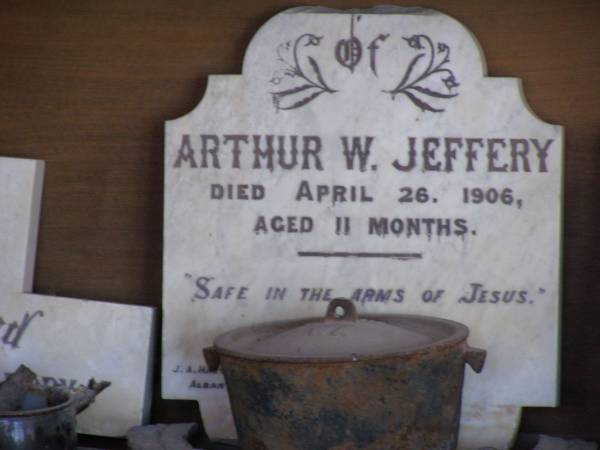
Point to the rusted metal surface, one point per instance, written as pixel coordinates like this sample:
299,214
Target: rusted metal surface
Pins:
50,428
349,337
408,403
475,357
347,382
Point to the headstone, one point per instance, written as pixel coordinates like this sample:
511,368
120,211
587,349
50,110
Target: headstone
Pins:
67,341
366,154
20,198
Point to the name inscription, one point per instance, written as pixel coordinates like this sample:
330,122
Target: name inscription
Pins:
429,154
424,154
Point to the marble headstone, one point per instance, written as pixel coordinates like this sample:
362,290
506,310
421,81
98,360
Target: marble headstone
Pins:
21,183
366,154
67,341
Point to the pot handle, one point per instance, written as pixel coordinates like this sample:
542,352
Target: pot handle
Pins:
213,361
475,357
347,306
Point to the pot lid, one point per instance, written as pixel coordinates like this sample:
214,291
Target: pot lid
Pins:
341,335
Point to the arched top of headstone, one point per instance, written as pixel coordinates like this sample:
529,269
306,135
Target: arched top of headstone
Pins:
387,61
380,38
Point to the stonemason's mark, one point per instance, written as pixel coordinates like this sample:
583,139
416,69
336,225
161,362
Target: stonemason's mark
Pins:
11,333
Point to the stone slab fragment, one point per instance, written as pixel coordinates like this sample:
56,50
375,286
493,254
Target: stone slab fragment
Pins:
555,443
365,154
21,183
488,427
162,437
68,341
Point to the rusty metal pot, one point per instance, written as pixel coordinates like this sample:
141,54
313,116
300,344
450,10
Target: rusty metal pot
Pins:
374,382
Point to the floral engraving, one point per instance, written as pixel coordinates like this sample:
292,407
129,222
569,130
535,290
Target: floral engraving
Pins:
303,70
423,82
426,81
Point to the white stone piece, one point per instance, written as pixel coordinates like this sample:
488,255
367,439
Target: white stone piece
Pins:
21,183
162,437
488,427
67,341
366,155
554,443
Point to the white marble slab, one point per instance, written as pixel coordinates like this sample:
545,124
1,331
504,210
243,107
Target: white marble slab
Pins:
67,341
455,212
21,183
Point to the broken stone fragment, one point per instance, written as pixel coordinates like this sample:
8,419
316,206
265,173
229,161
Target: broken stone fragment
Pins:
162,437
14,389
554,443
85,395
21,392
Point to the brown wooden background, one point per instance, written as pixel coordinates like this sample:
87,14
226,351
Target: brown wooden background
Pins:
86,86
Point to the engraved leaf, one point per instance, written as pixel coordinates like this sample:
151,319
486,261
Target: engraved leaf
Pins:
420,103
292,96
451,82
317,71
409,71
293,90
313,40
432,93
435,81
414,42
303,101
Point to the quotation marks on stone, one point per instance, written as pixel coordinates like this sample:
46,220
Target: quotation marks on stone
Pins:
425,79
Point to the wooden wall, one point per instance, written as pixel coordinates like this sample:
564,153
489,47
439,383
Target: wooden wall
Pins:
86,86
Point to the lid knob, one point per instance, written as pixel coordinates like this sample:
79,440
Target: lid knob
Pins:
341,309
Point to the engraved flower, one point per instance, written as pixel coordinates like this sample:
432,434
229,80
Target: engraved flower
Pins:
313,40
414,42
301,80
427,82
450,82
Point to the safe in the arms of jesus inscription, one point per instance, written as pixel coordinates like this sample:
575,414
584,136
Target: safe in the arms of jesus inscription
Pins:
365,154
